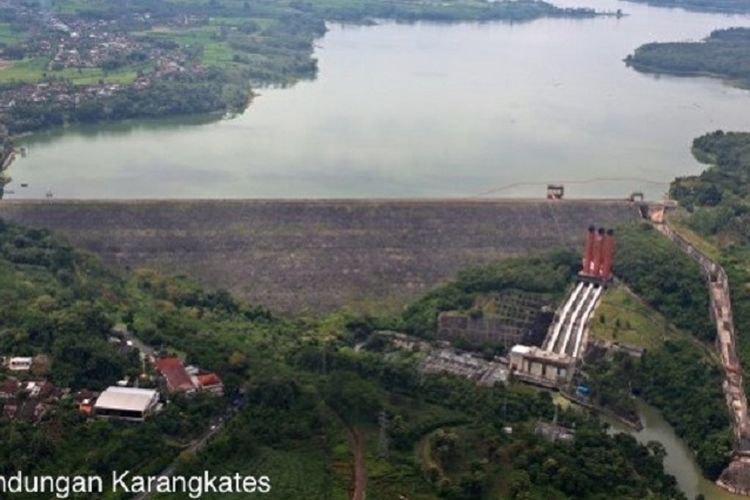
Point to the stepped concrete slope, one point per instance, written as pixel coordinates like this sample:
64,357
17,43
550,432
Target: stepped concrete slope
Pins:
318,255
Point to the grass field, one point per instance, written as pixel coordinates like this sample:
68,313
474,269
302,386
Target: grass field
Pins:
10,36
678,223
216,52
33,70
294,473
623,318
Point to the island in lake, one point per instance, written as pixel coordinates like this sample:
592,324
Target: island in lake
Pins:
724,54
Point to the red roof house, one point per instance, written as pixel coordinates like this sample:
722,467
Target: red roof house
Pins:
210,382
175,375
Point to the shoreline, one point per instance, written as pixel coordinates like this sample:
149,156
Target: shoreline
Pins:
647,69
6,160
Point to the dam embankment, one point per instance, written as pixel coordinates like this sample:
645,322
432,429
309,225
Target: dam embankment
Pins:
295,255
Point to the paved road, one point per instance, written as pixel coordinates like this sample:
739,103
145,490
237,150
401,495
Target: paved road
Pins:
196,446
146,349
217,424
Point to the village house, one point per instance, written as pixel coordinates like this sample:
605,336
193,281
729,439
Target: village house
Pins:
127,403
85,401
188,380
20,364
175,376
28,400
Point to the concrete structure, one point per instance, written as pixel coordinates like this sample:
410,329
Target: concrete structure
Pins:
736,477
465,364
502,319
295,255
441,358
126,403
568,332
598,254
567,337
538,366
20,364
552,432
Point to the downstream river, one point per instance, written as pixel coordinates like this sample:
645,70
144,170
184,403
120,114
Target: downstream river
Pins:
680,461
424,110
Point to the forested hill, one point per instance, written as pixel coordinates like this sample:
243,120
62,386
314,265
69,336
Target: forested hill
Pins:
720,195
724,54
725,6
718,212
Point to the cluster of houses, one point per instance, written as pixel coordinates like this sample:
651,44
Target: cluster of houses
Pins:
29,400
81,44
55,92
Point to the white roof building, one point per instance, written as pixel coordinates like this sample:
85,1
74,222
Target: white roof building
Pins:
128,403
20,364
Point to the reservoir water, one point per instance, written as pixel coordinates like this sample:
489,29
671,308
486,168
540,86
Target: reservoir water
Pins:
424,110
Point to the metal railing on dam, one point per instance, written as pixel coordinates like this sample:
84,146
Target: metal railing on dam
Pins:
736,477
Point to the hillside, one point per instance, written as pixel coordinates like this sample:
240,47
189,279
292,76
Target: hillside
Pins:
305,387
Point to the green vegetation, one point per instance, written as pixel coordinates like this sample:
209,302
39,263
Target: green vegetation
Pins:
718,210
678,373
623,318
686,385
684,382
49,310
549,275
305,388
60,303
664,277
724,54
724,6
188,56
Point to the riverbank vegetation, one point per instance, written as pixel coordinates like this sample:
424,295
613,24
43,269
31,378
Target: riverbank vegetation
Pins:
678,372
305,387
723,6
724,54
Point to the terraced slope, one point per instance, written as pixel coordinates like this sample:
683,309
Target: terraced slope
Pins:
317,255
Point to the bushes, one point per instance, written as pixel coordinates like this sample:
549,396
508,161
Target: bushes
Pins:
680,381
548,274
724,53
658,271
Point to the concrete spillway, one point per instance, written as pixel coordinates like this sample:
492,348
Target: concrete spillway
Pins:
567,332
297,255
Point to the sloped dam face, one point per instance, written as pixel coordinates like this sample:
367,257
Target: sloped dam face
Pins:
317,255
